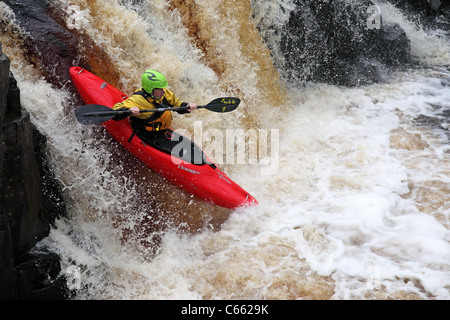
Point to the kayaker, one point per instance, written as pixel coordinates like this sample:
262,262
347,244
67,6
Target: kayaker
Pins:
152,94
154,127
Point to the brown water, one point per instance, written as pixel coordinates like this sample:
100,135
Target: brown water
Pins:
353,183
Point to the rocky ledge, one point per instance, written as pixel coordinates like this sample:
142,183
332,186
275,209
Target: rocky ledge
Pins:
30,202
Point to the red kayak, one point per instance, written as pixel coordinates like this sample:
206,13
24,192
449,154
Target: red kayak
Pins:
205,180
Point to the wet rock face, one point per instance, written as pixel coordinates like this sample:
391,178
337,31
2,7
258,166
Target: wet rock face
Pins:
343,42
48,43
339,42
427,13
424,6
28,206
44,38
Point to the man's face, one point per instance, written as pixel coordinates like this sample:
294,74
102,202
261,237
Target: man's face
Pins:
158,93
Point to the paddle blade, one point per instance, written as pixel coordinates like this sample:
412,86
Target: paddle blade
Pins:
225,104
94,114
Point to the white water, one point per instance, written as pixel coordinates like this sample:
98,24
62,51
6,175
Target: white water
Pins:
358,208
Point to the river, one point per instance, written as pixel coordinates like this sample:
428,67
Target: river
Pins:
353,183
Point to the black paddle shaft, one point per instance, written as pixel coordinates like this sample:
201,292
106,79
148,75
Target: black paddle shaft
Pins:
97,113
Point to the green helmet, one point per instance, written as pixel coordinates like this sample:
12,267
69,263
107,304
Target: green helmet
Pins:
152,79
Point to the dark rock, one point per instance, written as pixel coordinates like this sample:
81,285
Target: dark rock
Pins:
337,42
8,278
429,14
48,43
427,7
31,201
39,277
22,198
45,40
4,87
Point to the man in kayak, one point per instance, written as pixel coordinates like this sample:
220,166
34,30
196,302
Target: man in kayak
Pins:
153,94
153,127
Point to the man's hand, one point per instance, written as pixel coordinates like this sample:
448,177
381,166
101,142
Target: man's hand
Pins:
135,111
192,106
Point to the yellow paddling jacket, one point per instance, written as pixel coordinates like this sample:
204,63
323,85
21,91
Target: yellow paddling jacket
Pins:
150,121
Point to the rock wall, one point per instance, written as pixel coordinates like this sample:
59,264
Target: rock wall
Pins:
336,42
30,202
342,42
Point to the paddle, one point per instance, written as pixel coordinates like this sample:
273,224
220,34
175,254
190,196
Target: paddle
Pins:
97,113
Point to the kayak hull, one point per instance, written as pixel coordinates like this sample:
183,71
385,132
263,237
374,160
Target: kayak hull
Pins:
206,182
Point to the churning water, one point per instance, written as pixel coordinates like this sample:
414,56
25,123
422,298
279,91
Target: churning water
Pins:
353,186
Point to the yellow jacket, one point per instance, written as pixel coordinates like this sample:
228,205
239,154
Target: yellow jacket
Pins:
150,121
